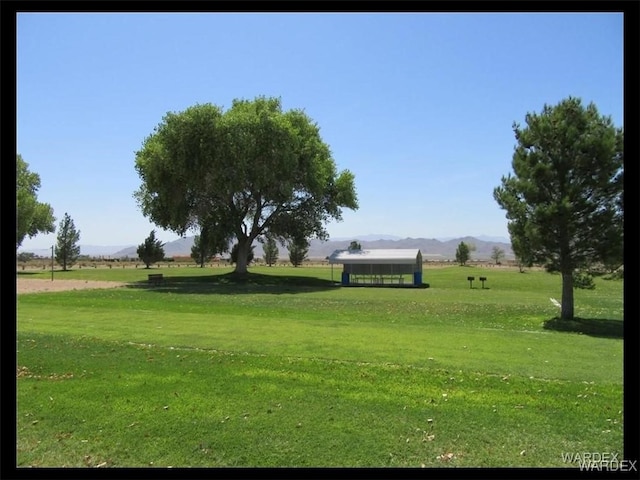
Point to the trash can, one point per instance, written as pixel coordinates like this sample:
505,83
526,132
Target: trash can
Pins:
417,278
345,278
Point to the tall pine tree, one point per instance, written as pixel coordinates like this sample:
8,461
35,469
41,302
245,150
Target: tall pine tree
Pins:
564,200
270,251
67,248
298,250
151,251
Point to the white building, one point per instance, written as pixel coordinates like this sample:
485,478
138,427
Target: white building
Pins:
379,266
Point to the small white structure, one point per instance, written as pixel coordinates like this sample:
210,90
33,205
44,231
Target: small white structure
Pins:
379,266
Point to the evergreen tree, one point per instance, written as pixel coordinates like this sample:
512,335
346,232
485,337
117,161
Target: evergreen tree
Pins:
462,253
521,248
208,244
67,248
298,250
151,251
270,251
564,201
199,252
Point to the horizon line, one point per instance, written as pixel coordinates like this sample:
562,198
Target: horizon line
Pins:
336,239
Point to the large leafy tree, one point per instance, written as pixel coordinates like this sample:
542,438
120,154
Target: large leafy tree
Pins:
253,170
564,201
151,251
32,217
67,248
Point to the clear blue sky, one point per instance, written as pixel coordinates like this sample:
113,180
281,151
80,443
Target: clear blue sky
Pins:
419,106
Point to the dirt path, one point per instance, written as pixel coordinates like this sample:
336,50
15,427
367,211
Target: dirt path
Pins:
31,285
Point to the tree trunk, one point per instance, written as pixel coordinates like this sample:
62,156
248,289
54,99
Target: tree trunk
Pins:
243,250
566,312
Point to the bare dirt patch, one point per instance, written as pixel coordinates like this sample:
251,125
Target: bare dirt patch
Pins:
32,285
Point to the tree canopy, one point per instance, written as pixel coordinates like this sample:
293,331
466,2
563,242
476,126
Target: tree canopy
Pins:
32,217
251,170
564,201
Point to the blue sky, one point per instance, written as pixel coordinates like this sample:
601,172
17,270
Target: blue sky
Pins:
419,106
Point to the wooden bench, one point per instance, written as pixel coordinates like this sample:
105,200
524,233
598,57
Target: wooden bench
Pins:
155,278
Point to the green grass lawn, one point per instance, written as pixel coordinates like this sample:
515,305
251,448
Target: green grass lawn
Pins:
286,369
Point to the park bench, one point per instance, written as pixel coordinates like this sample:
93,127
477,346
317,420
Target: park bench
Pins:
155,278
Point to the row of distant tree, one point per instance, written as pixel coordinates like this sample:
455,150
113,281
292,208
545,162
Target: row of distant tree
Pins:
205,248
255,172
151,251
66,250
463,253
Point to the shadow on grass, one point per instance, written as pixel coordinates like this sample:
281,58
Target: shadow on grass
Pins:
235,284
595,327
385,285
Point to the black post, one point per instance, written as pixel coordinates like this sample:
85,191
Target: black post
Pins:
471,279
483,279
52,263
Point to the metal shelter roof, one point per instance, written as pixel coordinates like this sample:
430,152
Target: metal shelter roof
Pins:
381,255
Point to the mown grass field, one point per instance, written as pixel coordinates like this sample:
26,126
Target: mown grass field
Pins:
287,369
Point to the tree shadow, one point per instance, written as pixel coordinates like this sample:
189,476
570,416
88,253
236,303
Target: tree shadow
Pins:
40,272
238,284
595,327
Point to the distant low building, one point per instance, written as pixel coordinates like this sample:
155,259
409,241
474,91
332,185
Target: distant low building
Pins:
392,267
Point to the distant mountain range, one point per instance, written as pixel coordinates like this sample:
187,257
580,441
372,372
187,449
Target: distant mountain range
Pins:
432,249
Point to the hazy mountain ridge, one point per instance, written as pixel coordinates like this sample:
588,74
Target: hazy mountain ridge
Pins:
432,249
